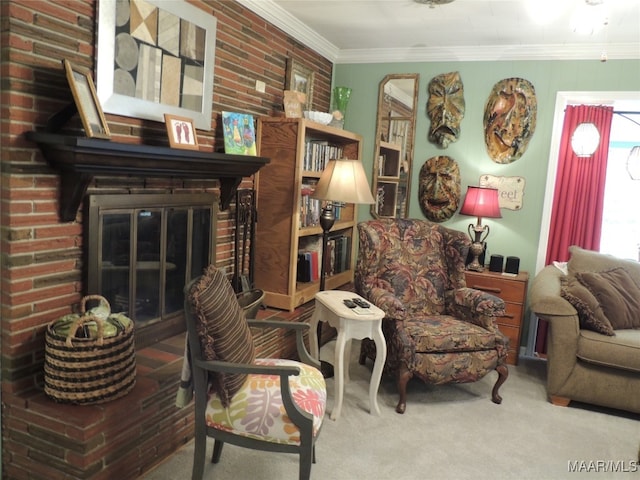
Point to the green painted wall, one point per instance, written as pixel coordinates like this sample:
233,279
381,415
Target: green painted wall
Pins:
516,234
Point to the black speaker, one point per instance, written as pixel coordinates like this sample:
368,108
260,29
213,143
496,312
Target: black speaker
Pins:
513,265
495,263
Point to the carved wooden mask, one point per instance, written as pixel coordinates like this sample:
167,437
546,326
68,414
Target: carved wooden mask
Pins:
509,119
439,189
445,108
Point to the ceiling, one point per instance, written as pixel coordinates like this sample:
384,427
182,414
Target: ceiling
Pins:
385,31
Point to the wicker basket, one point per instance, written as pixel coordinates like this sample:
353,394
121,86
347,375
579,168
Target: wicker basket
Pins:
89,370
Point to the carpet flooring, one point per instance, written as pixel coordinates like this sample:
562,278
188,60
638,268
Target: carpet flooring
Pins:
448,432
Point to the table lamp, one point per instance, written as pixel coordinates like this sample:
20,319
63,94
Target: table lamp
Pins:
342,181
480,202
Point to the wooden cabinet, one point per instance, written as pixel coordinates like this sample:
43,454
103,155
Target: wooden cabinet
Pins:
513,290
288,218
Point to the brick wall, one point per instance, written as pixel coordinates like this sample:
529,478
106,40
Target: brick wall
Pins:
41,276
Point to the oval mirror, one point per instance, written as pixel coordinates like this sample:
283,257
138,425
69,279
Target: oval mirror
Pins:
393,153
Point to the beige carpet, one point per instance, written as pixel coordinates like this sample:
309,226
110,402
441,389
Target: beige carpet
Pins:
447,432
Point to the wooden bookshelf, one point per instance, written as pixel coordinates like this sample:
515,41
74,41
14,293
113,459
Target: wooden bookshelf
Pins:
280,229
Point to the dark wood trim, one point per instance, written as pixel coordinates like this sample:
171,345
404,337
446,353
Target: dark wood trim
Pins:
80,158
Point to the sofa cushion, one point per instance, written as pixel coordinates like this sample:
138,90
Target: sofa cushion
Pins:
586,305
444,333
621,351
222,329
617,294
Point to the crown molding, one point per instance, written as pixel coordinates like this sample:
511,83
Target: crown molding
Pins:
282,19
491,54
289,24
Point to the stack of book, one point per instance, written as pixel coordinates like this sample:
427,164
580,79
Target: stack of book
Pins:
309,207
317,153
336,260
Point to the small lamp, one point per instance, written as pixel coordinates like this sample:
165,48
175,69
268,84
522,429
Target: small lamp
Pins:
480,202
342,181
585,139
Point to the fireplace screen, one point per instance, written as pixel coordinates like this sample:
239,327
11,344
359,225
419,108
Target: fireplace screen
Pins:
143,249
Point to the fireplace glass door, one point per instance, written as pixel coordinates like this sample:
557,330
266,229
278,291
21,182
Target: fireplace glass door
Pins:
142,251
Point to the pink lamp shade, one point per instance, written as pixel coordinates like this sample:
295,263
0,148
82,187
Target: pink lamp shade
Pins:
481,202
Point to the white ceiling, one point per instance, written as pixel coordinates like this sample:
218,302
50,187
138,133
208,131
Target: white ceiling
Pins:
370,31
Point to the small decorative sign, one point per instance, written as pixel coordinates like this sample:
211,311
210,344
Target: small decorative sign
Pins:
510,190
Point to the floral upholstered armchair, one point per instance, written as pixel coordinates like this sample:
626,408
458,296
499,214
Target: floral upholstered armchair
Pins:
436,328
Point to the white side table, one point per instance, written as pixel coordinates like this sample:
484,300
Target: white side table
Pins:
329,307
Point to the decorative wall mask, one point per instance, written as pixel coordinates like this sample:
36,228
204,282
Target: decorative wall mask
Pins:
439,189
445,108
509,119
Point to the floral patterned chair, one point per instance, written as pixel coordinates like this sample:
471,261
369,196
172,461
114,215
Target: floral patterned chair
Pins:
269,404
436,328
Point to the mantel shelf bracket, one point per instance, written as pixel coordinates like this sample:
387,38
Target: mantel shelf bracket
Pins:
80,158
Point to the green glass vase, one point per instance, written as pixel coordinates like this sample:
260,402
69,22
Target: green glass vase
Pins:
341,96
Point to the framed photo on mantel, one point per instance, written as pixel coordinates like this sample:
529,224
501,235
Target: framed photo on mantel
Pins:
156,57
181,131
86,100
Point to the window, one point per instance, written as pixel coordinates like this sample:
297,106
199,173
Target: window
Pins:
621,218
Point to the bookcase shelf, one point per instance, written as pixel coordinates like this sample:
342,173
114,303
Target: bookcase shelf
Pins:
387,177
280,230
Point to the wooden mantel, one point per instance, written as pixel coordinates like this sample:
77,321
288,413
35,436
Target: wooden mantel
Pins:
80,158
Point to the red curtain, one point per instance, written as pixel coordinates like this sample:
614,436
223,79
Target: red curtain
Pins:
576,216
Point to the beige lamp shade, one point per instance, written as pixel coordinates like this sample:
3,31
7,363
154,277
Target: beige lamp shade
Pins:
344,180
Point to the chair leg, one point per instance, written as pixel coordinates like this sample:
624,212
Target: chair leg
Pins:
307,454
217,451
199,451
404,375
503,373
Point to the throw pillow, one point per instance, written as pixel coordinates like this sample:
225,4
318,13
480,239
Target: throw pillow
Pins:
589,261
617,294
222,328
586,305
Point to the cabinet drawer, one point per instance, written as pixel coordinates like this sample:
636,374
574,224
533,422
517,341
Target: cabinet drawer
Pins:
513,334
513,314
508,290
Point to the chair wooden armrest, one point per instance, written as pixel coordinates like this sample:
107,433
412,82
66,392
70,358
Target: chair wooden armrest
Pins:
298,328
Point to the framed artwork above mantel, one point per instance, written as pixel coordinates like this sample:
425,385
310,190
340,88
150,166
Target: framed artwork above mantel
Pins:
156,57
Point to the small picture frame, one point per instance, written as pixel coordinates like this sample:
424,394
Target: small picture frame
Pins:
86,100
300,79
239,134
182,133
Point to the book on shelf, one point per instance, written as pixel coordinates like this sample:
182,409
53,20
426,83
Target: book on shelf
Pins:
317,154
309,259
337,257
309,207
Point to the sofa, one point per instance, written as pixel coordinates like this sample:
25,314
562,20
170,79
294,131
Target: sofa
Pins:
592,304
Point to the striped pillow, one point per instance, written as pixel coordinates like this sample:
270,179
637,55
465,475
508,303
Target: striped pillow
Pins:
222,328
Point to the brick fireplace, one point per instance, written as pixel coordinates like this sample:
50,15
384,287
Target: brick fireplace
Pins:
42,241
122,438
